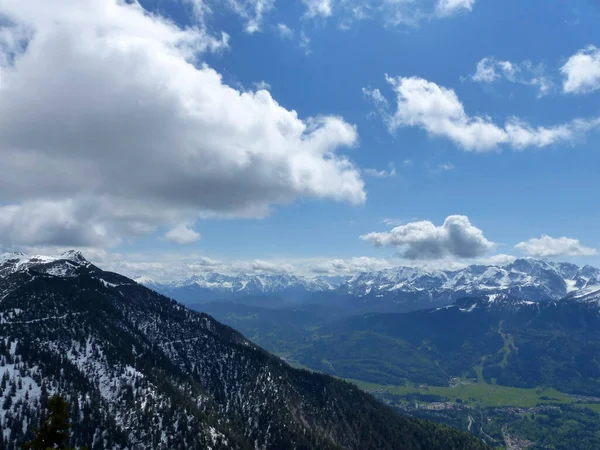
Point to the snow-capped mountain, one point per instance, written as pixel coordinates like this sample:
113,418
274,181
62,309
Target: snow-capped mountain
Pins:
491,303
255,283
586,295
63,264
536,280
214,286
399,288
141,371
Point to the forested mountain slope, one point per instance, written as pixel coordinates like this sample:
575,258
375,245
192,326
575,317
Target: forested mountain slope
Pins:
507,340
141,371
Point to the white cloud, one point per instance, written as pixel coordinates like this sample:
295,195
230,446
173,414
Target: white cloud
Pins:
60,222
487,71
350,266
262,85
126,131
393,221
382,173
546,246
497,260
438,110
582,71
491,69
284,31
376,97
457,237
175,266
253,11
304,43
390,13
200,9
183,234
318,8
450,7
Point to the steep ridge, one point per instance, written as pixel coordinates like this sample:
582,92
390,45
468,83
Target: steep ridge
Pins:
142,371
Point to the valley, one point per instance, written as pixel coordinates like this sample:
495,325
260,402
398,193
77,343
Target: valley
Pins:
507,370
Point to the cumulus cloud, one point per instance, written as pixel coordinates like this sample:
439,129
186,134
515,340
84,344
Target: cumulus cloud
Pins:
581,72
316,8
450,7
128,130
175,266
183,234
438,110
546,246
491,69
497,260
262,266
60,222
338,266
457,237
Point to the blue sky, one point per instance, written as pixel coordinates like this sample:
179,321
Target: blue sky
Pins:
452,131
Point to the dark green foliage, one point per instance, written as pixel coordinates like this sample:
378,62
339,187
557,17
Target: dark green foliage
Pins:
563,428
553,344
54,429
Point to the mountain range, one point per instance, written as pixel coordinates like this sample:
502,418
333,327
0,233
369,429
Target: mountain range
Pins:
397,289
216,286
141,371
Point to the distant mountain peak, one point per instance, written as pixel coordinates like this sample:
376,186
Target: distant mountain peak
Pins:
74,256
144,280
63,265
11,256
529,278
251,284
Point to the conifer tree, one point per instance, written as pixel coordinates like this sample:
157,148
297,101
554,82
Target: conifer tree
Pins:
54,430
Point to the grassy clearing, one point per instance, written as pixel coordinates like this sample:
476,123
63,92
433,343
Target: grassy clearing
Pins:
593,406
479,371
485,395
509,345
